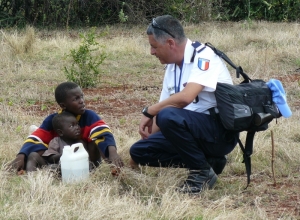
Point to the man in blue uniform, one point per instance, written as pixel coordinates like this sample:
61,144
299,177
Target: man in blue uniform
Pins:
183,129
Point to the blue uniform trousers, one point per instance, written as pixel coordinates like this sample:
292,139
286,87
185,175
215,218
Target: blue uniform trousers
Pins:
186,139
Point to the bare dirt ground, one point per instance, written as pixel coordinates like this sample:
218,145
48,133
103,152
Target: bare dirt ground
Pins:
108,102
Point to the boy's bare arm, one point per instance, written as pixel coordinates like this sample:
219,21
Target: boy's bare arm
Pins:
114,156
94,152
18,163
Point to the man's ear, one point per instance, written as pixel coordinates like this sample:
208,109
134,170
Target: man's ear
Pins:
171,42
59,132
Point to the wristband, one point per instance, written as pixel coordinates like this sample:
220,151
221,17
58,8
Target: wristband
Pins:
145,112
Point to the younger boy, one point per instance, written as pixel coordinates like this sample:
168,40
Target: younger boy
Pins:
94,130
68,129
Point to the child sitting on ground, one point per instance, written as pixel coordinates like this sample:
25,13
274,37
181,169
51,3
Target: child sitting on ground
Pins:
94,130
68,129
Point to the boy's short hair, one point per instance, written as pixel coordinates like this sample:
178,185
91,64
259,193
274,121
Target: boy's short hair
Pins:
62,89
58,119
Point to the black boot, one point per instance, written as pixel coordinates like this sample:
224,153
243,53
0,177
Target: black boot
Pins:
198,180
217,163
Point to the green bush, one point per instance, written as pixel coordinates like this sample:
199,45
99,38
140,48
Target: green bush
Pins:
84,69
69,13
269,10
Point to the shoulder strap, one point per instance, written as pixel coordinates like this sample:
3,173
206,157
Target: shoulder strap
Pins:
239,71
247,151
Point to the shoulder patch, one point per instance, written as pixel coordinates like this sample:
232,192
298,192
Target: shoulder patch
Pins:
203,64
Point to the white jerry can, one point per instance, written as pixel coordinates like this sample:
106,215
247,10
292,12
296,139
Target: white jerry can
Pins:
74,163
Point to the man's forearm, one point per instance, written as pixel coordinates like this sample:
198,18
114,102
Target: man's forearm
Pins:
177,100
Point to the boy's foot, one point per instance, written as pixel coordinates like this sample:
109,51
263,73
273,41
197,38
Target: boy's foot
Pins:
21,172
198,180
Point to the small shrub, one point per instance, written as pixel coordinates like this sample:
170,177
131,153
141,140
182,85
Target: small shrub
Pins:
123,18
84,69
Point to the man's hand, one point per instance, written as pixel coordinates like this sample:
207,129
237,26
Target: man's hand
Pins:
114,157
145,123
18,163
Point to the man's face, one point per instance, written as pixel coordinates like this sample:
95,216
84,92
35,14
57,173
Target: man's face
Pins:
70,128
161,51
74,102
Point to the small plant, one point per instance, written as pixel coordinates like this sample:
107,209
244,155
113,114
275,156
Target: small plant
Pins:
31,101
18,129
85,64
122,121
43,107
123,18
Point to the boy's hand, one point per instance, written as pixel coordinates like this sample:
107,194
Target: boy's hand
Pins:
18,163
114,157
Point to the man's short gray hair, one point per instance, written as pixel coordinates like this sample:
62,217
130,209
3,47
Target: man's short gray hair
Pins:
164,27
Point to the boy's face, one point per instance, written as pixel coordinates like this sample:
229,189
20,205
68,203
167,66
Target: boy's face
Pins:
74,102
70,129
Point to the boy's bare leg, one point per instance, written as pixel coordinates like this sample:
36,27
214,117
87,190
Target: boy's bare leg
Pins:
34,161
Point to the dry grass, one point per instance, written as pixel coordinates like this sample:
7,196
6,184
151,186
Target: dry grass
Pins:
31,66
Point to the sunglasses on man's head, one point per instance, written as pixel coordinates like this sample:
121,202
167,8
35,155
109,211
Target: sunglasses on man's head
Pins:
155,25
